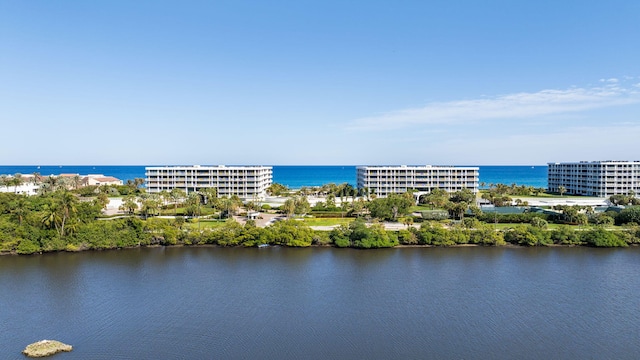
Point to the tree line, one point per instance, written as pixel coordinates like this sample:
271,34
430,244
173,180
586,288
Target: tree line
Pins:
60,219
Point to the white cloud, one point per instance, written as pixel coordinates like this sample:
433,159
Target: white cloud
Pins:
510,106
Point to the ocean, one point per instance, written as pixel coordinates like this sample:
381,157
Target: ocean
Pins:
297,176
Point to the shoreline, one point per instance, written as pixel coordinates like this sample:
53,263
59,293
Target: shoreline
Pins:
400,246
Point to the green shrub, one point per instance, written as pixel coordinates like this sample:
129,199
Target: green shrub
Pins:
321,238
600,237
629,215
527,236
27,246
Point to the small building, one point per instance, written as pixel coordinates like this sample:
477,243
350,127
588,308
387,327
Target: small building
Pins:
26,188
101,180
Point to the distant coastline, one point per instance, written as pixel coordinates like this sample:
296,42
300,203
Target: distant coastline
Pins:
296,176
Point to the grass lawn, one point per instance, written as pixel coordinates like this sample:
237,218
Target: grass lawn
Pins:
540,195
327,221
513,225
181,211
204,224
555,226
419,208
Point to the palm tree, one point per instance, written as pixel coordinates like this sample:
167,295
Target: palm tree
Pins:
193,204
16,181
129,204
36,178
176,196
51,183
150,205
210,195
76,180
63,183
331,201
562,189
51,216
166,197
230,204
366,192
138,182
67,205
251,205
19,208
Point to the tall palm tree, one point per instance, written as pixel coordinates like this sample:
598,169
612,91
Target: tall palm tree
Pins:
210,195
50,184
67,205
176,196
138,182
76,180
165,196
150,205
19,208
129,204
228,204
16,181
36,178
51,217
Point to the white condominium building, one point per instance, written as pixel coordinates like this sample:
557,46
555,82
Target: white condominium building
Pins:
595,178
385,180
247,182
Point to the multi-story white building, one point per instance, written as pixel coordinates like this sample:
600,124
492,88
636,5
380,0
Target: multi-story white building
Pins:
595,178
385,180
247,182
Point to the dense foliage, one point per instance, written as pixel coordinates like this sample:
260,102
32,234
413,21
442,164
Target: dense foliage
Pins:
358,235
60,220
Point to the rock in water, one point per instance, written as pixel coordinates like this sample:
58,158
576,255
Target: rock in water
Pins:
45,348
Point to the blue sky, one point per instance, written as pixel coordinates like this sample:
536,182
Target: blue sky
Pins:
318,82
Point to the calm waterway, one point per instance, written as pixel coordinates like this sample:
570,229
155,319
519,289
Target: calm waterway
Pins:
281,303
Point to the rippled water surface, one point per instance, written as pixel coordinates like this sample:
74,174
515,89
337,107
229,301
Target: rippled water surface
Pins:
279,303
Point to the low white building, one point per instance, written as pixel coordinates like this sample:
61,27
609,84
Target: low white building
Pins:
25,188
385,180
98,180
248,182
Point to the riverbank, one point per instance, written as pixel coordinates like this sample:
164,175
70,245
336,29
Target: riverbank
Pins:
324,246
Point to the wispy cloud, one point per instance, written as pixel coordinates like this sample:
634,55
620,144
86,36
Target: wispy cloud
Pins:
612,92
